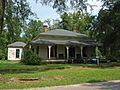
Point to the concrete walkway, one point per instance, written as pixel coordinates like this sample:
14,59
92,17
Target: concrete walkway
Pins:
110,85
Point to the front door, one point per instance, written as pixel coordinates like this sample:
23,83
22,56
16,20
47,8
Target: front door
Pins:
72,52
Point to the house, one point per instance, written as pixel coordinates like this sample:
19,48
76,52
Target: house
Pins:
60,44
15,50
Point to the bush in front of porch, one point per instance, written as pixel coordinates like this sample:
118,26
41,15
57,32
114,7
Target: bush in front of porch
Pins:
30,58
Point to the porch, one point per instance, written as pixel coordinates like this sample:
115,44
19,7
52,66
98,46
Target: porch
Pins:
63,53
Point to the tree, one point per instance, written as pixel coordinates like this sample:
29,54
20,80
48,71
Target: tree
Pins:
19,9
66,21
2,9
33,28
56,24
16,13
63,5
108,29
60,5
76,19
3,45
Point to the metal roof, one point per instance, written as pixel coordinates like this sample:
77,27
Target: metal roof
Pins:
17,44
62,32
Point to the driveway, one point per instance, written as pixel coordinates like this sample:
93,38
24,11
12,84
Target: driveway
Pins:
110,85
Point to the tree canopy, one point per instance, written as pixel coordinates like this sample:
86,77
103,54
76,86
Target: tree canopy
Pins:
16,13
73,20
32,29
108,29
64,5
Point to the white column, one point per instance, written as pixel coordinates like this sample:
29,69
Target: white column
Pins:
49,51
96,51
81,49
97,54
67,47
30,46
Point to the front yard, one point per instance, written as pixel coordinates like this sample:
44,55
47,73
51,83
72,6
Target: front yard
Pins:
15,64
72,75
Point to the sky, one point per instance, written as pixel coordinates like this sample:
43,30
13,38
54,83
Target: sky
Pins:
46,12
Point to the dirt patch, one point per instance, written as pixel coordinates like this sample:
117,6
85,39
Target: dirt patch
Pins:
90,66
30,80
76,68
1,78
115,65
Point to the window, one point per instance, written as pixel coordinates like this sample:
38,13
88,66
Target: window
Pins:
17,53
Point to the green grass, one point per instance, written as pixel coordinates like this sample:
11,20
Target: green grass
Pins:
15,64
70,76
73,75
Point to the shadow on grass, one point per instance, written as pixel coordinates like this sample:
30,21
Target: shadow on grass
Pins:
94,81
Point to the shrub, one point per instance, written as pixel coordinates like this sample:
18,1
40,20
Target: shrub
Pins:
30,58
2,55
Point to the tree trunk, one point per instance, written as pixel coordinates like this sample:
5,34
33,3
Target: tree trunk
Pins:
2,9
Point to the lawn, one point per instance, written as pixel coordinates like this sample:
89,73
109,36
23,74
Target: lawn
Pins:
72,75
15,64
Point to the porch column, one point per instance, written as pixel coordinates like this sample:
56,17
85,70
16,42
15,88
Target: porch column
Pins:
67,47
81,49
29,46
96,51
49,51
97,54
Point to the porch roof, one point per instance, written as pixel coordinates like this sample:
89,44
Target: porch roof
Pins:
63,42
42,41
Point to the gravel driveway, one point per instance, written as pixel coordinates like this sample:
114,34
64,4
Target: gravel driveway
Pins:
110,85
